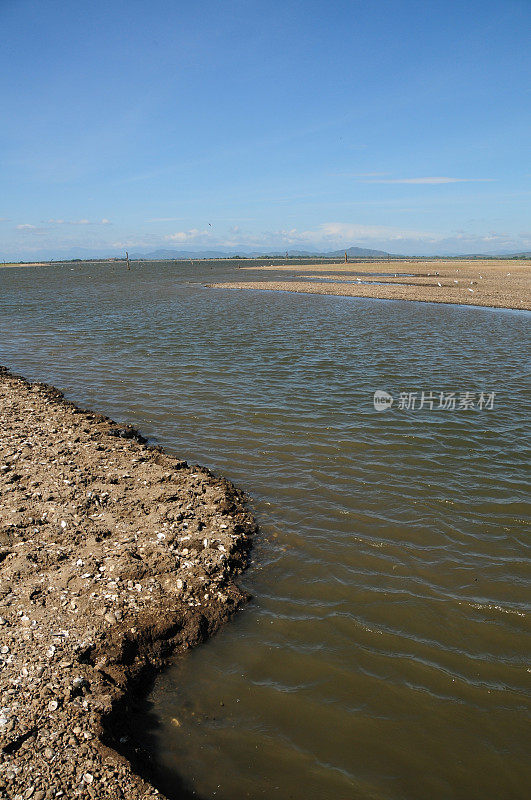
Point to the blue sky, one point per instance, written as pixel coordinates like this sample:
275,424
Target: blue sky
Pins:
401,124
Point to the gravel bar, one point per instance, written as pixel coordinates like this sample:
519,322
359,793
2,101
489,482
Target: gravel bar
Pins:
113,557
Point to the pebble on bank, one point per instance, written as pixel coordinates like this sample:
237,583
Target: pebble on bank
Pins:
113,556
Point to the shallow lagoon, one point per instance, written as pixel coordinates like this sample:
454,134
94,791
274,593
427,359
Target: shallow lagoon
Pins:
384,653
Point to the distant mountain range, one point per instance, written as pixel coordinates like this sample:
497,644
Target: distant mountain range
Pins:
168,254
352,252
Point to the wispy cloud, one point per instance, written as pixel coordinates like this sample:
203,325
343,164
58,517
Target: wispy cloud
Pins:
193,235
103,221
361,174
351,232
322,237
165,219
336,235
51,228
432,180
328,234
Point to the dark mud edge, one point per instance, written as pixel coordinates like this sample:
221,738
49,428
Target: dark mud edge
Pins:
71,719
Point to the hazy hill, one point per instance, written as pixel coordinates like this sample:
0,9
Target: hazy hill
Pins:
352,252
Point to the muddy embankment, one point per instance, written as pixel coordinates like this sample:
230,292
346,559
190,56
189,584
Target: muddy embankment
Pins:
113,556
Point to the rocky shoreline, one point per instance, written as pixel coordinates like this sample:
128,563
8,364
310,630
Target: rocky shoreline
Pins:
113,556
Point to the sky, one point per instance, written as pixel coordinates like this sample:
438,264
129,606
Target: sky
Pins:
400,125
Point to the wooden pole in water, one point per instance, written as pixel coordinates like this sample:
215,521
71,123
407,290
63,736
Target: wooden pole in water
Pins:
346,257
127,259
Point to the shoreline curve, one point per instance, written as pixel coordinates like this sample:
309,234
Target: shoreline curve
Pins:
114,556
484,284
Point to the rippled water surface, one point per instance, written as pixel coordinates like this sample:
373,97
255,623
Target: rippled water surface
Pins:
385,653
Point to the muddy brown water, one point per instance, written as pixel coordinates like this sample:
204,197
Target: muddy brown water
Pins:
385,654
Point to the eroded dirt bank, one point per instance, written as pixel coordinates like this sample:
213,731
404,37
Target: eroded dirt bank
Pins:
113,555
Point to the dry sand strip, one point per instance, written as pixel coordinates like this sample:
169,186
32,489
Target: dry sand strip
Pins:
495,284
113,555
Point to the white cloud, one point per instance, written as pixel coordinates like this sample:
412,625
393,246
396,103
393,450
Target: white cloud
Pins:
361,174
78,222
336,235
165,219
193,235
327,235
350,232
474,236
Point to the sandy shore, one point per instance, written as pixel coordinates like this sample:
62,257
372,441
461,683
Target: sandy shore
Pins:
496,284
113,555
